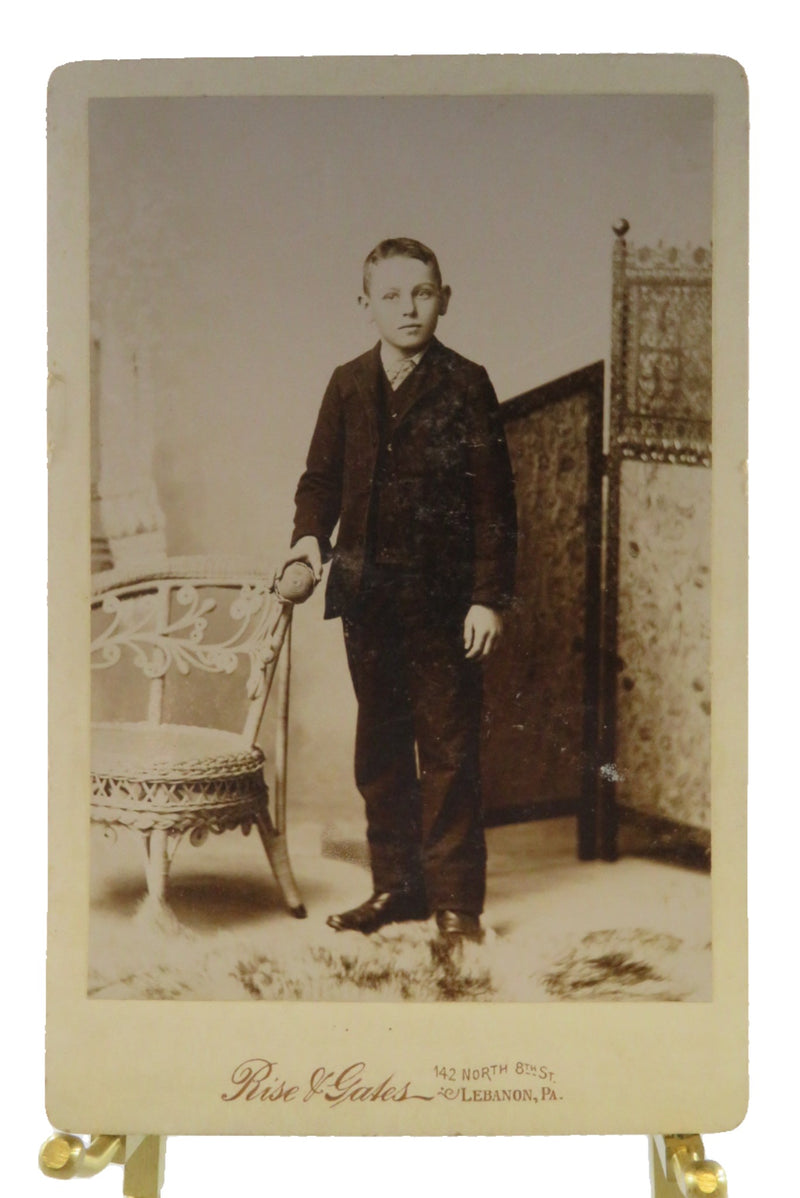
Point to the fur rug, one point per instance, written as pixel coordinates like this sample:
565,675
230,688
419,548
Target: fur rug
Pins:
159,958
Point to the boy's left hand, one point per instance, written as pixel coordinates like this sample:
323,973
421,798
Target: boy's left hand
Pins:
482,630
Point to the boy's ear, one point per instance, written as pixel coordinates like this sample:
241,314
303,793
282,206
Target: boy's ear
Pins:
444,299
366,308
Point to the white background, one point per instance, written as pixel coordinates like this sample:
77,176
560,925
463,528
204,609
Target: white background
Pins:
615,1166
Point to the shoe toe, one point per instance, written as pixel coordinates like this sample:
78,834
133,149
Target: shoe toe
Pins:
459,925
376,912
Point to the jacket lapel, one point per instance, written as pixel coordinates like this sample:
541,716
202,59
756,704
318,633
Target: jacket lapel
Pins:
368,371
424,379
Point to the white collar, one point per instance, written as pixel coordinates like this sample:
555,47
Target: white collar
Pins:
391,364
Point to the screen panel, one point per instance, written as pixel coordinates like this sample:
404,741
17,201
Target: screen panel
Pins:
540,708
656,690
664,640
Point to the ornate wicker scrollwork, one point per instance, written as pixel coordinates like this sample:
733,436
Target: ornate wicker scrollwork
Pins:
159,640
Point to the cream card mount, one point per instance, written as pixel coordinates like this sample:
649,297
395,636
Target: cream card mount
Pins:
208,225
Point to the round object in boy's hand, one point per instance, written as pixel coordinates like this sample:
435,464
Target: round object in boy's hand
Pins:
296,582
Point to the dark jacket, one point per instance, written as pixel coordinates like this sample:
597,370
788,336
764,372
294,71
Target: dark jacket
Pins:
440,474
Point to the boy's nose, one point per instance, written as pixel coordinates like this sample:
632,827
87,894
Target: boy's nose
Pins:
410,306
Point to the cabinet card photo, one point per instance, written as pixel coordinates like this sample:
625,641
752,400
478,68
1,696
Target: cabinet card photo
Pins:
397,590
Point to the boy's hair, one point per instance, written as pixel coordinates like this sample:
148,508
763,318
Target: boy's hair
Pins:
400,247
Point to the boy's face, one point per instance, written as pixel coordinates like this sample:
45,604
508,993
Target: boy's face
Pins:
405,302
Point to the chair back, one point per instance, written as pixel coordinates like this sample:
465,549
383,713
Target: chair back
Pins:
164,631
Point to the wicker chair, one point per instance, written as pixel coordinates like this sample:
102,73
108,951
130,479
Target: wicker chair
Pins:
163,631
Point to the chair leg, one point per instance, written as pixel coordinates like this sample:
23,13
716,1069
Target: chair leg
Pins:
157,865
278,854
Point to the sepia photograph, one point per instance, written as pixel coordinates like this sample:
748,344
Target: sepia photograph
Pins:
398,477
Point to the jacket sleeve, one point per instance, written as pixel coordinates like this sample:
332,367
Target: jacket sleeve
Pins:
494,510
318,497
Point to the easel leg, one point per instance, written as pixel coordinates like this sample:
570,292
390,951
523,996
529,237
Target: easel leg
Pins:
678,1169
144,1168
65,1156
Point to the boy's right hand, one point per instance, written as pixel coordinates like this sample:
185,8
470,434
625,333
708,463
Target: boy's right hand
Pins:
306,550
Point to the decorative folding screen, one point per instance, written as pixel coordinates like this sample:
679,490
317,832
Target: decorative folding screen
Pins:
541,686
656,694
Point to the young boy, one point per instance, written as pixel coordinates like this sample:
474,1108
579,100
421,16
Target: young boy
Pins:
409,457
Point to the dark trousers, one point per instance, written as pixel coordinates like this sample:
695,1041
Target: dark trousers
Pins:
417,738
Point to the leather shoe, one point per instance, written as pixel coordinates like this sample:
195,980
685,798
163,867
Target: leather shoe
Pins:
380,909
459,925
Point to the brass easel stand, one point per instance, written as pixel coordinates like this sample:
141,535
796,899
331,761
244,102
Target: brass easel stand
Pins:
65,1156
678,1167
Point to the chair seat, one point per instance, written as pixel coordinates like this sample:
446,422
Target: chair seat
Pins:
178,753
